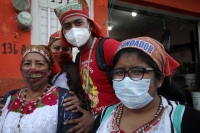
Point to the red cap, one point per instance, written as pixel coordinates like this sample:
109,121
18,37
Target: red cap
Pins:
76,8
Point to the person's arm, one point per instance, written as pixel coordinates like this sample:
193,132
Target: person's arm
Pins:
71,102
190,121
83,124
110,47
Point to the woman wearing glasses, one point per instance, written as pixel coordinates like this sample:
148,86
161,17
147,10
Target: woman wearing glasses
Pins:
149,100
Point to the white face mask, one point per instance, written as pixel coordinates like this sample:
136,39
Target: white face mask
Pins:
77,36
133,94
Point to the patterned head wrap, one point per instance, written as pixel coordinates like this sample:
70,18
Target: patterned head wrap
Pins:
55,67
76,8
58,36
154,50
40,49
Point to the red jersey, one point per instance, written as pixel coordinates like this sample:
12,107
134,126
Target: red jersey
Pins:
100,91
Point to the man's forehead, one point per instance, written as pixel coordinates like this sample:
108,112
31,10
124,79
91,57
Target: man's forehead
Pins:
74,18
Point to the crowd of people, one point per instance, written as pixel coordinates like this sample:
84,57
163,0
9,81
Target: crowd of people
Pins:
61,96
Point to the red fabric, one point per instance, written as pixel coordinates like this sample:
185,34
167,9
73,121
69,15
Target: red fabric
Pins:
84,12
155,50
171,66
61,57
50,99
100,90
58,36
55,68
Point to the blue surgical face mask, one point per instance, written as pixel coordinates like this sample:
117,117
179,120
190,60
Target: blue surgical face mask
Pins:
133,94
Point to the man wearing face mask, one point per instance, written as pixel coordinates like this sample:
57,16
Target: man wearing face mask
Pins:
84,33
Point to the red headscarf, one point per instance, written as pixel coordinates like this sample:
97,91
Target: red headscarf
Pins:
57,36
155,50
40,49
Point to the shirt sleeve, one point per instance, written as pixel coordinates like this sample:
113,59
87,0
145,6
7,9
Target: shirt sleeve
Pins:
110,47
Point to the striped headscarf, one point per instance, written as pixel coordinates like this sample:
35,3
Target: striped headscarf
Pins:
154,50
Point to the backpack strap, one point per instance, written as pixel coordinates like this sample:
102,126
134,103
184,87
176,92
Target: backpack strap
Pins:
107,112
77,58
101,63
177,117
100,60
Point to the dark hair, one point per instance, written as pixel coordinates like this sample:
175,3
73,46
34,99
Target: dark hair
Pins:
169,89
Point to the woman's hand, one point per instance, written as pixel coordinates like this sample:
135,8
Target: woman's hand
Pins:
71,102
1,106
84,124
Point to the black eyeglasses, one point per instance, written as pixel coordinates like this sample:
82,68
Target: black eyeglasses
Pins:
134,73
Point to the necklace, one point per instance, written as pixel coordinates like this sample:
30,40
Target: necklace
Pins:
88,65
143,127
31,107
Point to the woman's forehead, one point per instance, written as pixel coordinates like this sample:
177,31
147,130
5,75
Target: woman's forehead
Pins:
34,56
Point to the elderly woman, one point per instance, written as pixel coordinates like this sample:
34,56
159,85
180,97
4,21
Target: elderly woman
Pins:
140,70
38,106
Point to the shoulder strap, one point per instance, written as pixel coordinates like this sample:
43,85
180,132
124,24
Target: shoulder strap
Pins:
77,59
177,117
100,60
101,63
8,94
55,77
107,112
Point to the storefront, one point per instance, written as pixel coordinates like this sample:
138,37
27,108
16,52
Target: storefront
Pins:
175,24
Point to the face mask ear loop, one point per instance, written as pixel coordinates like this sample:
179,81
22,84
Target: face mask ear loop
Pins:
154,79
153,94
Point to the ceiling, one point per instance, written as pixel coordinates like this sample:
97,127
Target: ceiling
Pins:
123,21
146,20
